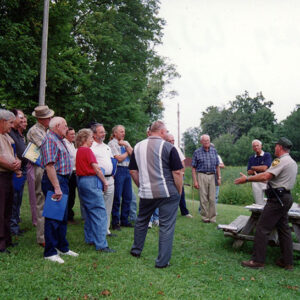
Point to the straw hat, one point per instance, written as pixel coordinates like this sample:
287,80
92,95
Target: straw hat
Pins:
43,112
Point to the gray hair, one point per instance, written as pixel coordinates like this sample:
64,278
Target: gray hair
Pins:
157,125
82,136
257,141
55,121
95,126
204,135
6,115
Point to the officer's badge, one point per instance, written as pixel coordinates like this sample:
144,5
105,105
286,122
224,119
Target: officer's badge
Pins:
275,162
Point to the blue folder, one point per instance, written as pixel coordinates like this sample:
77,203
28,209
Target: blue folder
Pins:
54,209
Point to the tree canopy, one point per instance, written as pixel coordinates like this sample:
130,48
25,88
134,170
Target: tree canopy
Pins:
232,129
102,64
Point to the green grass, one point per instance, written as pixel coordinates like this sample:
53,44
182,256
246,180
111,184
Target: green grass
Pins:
203,266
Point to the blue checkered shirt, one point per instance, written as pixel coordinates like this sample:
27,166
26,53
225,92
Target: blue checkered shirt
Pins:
205,161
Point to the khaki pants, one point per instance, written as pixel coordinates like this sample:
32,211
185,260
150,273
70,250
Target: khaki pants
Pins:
207,192
40,201
258,189
108,199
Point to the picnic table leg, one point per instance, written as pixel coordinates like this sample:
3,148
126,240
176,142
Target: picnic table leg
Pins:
250,225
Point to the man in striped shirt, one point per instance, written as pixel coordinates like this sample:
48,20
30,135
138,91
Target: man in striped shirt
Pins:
155,167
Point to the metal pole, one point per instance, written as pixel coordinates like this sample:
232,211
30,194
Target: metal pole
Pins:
44,54
178,126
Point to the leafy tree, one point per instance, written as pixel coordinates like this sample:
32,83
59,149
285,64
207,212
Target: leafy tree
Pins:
191,140
289,128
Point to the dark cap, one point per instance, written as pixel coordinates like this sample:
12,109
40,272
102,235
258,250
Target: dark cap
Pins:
286,143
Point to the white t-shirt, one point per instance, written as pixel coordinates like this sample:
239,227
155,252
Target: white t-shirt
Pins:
103,155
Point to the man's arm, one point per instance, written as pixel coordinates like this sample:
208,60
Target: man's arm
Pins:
265,176
177,176
135,176
51,173
127,146
195,181
218,173
121,157
259,169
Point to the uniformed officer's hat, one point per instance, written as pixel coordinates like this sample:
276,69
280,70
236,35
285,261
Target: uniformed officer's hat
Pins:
286,143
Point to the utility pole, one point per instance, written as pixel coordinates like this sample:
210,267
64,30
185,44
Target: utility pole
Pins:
44,54
178,124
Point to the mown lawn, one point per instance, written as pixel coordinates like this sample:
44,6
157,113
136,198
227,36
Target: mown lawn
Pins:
203,266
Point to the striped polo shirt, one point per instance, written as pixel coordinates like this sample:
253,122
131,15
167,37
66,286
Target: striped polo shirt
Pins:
155,159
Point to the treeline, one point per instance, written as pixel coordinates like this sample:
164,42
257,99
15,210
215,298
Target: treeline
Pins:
102,63
232,129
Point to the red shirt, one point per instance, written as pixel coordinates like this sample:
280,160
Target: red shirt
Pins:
84,159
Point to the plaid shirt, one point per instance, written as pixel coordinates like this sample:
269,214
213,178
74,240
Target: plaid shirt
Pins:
53,150
205,161
36,134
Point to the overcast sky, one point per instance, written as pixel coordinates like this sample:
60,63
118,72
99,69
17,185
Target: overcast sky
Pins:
222,48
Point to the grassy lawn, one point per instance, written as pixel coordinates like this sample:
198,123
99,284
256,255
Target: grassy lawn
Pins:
203,266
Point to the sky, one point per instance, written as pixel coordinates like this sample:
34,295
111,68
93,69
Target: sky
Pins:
222,48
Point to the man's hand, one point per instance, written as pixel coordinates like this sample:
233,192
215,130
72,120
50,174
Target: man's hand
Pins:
57,193
123,143
241,180
219,181
196,185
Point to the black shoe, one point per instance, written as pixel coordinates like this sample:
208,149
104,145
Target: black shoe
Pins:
5,251
138,255
127,225
161,267
111,235
116,227
12,244
107,250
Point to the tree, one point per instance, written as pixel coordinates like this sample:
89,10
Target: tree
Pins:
289,128
191,140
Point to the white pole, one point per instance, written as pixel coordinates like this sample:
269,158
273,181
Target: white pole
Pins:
44,54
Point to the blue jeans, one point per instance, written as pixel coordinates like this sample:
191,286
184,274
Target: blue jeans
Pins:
56,231
18,184
182,204
132,212
155,215
123,188
217,193
95,225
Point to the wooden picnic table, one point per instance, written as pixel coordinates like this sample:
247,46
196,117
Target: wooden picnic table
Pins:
242,228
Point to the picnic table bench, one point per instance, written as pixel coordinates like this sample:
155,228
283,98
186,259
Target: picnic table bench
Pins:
242,228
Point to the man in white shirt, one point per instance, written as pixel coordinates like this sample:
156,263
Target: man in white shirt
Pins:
69,142
103,155
182,204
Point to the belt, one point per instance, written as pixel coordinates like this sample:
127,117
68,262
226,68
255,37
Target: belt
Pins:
108,175
279,191
122,167
207,173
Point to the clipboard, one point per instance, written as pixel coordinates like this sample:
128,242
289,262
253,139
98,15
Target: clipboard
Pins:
54,209
33,153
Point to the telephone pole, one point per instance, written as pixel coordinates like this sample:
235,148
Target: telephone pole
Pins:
44,54
178,125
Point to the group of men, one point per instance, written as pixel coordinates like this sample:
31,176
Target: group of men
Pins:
55,172
154,164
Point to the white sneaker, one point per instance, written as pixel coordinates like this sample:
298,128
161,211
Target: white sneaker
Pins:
70,253
189,216
156,222
150,225
55,258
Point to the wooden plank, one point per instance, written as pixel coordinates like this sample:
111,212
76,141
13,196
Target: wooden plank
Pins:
236,226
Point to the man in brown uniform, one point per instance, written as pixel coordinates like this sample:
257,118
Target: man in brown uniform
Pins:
281,177
35,135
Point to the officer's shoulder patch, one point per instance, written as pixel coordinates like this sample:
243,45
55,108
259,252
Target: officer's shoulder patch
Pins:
275,162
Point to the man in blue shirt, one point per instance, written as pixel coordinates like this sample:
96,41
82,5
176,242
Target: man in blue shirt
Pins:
205,166
258,163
